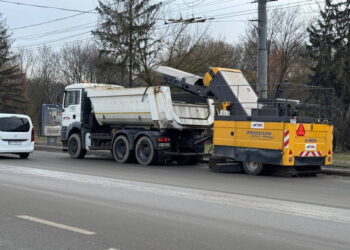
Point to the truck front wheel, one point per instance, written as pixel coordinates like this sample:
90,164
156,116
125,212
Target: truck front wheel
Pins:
253,168
75,148
144,151
121,149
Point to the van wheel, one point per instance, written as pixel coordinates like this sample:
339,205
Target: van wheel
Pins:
121,149
24,155
75,149
253,168
144,151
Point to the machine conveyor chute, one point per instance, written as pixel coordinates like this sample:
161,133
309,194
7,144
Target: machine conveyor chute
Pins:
225,85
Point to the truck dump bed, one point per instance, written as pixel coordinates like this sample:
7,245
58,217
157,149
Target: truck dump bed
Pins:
148,106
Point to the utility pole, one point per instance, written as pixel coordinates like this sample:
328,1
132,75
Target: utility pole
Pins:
262,49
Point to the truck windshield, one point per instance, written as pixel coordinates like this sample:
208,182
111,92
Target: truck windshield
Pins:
71,98
14,124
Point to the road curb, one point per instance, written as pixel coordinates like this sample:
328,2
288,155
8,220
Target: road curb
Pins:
48,148
336,170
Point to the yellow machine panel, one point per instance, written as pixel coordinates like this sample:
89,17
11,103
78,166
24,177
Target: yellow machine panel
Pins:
249,134
207,77
316,142
301,141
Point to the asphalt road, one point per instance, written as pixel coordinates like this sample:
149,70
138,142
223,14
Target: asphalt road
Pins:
53,202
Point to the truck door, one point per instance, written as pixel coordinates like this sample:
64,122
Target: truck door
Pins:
72,107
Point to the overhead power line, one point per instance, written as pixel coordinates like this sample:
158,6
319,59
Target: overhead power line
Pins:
46,22
253,11
224,8
192,4
47,7
188,20
55,41
55,32
56,45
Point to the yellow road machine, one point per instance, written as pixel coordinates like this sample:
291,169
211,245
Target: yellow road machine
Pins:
258,133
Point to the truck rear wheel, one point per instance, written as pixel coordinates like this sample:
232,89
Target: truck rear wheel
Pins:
121,149
253,168
144,151
75,148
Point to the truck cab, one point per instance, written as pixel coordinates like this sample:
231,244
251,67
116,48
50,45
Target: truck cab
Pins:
77,111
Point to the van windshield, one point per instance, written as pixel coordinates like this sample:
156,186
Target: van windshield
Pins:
14,124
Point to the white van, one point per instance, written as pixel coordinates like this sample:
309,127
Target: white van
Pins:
16,135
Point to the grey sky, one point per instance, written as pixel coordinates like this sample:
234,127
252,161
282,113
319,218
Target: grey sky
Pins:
231,18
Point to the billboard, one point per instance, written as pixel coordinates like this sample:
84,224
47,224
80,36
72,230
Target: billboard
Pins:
51,119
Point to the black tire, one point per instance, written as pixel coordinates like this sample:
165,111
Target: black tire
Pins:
24,155
75,148
121,149
145,152
253,168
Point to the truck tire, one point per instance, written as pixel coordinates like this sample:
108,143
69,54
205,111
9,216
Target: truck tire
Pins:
75,148
253,168
121,149
144,151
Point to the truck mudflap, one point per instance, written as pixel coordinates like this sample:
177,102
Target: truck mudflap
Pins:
309,161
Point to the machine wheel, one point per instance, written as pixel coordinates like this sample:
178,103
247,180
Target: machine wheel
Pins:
144,151
24,155
121,149
253,168
75,149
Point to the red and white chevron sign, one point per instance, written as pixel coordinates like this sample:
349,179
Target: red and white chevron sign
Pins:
310,154
286,139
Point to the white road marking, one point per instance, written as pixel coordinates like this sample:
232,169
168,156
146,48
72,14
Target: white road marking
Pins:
319,212
54,224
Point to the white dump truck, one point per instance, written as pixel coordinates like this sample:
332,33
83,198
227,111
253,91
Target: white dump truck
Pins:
147,124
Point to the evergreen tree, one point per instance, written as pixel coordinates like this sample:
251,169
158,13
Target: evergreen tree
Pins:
329,48
125,31
11,79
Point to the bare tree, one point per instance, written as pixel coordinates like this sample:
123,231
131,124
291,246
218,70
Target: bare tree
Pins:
26,61
45,85
196,52
286,48
80,62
